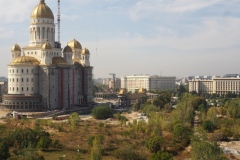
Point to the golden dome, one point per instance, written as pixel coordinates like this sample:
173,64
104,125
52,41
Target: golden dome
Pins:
25,60
122,91
67,49
85,51
142,90
59,60
46,46
16,47
74,44
42,11
76,61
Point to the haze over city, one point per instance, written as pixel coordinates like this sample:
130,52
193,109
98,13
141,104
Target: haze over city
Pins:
157,37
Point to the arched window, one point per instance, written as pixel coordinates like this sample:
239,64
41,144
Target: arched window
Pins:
27,88
13,88
47,33
22,79
38,32
13,79
43,32
17,79
17,88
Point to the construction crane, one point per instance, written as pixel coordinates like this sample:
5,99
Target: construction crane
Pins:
114,77
58,21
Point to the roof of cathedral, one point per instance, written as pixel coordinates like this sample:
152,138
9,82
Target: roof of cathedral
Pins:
42,11
67,49
59,60
46,46
74,44
16,47
25,60
85,51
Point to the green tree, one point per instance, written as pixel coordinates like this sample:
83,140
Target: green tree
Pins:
44,143
161,155
126,152
4,150
208,126
202,150
74,120
102,112
233,109
212,115
96,151
181,135
154,143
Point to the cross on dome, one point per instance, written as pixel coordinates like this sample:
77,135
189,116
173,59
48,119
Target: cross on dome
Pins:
42,1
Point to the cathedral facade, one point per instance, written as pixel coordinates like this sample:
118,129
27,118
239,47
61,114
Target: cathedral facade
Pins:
42,75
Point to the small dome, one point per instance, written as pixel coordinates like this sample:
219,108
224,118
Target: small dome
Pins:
42,11
46,46
74,44
25,60
85,51
122,91
142,90
59,60
67,49
16,47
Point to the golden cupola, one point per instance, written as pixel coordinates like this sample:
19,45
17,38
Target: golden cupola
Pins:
46,46
42,11
15,48
85,51
74,44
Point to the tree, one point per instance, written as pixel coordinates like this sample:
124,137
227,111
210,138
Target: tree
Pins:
44,143
74,120
96,151
4,150
212,115
181,135
154,143
208,126
126,152
202,150
102,112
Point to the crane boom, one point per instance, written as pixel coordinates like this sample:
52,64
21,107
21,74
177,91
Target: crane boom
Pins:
58,21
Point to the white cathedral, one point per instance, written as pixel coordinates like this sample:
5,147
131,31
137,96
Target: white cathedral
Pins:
42,75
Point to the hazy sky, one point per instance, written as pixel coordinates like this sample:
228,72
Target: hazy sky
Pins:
167,37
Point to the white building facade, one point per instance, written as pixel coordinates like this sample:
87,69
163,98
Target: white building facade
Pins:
221,86
136,82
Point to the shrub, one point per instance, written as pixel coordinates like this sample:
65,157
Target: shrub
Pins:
208,126
161,155
102,113
154,143
126,153
91,139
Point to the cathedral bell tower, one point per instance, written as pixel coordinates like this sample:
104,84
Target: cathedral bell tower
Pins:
42,26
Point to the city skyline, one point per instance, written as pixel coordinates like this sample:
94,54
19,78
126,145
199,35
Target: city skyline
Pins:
156,37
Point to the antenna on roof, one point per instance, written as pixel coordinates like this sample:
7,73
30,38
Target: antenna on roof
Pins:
58,21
